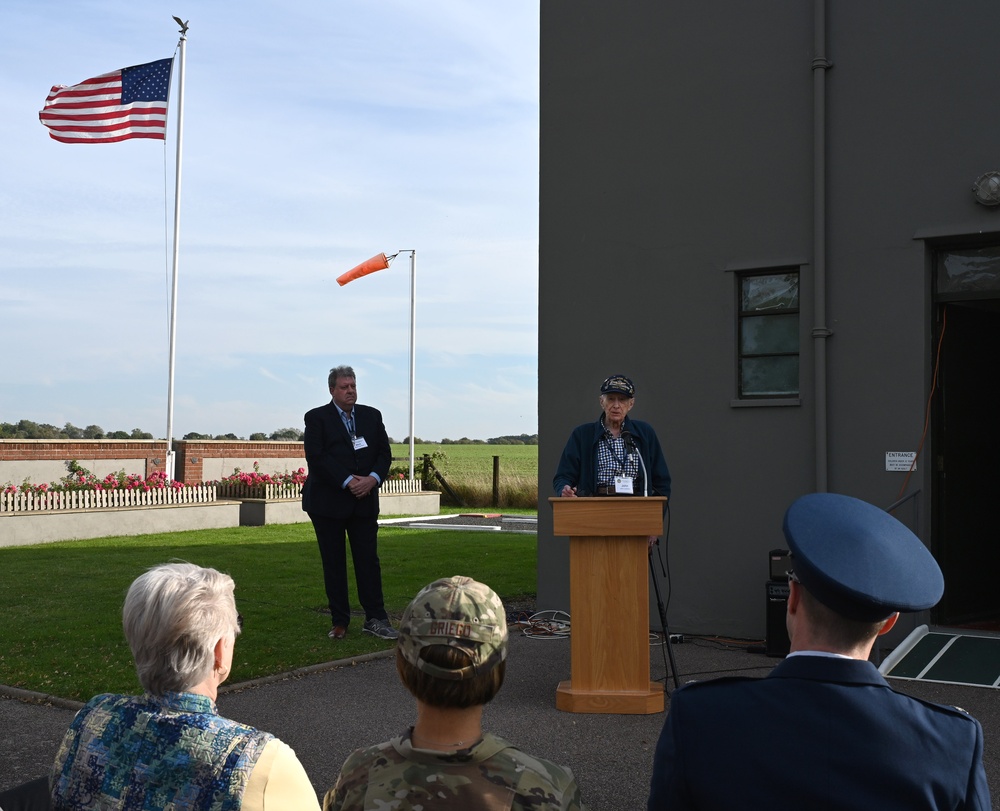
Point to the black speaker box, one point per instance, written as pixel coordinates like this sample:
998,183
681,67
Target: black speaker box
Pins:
778,564
777,642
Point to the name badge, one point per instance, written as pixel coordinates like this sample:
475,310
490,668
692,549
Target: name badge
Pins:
359,443
623,485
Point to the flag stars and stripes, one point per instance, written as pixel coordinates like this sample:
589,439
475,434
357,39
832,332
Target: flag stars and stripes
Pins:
116,106
149,82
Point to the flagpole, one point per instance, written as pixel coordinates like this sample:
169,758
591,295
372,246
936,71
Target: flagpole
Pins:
413,338
171,459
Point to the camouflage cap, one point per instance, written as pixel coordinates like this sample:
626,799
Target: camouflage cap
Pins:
459,612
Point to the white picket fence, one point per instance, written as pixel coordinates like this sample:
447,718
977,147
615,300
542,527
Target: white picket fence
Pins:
276,492
105,499
393,486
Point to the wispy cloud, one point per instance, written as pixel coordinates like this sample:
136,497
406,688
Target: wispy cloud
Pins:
316,134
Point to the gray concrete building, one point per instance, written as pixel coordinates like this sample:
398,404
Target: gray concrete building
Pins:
780,220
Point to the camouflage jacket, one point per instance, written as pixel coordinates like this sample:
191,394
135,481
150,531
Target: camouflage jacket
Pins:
493,775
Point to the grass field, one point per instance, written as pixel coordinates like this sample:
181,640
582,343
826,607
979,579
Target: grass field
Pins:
62,602
468,469
474,461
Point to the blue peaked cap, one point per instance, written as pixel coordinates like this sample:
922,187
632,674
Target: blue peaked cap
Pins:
858,560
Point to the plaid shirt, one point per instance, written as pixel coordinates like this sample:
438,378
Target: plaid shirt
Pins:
615,459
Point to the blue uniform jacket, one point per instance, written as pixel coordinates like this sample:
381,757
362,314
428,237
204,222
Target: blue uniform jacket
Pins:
818,733
578,465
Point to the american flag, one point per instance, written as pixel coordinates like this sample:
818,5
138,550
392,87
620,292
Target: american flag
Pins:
127,103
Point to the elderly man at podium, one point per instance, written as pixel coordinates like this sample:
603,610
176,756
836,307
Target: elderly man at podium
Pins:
615,455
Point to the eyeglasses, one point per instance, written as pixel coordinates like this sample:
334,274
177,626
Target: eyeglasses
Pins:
790,574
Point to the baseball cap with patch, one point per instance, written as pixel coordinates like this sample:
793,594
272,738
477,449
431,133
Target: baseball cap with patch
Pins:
459,612
618,384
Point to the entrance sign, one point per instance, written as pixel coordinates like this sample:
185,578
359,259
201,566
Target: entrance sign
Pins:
900,461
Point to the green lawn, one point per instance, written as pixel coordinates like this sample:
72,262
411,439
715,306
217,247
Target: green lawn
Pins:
61,602
474,462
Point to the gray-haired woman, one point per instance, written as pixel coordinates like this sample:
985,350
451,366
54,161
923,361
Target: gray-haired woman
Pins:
170,748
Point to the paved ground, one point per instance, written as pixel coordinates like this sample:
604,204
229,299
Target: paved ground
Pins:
324,715
478,521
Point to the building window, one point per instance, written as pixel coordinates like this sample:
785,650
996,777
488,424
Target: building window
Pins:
968,273
768,334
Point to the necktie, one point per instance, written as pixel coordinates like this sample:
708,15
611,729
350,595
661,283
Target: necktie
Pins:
349,419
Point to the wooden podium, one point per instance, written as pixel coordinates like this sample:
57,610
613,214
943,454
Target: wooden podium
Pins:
609,603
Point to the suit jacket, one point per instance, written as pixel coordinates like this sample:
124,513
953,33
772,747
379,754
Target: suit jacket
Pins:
331,457
817,733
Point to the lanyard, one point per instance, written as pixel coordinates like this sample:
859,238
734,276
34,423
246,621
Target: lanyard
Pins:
621,460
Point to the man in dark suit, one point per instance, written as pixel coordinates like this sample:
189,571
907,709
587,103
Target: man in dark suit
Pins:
348,453
824,730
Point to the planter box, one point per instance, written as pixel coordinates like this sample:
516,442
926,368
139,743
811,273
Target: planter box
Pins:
427,502
256,512
57,521
21,528
265,492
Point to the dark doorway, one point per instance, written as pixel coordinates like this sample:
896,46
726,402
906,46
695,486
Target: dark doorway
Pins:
966,477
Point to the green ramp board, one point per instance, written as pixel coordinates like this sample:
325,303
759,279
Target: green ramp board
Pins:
947,655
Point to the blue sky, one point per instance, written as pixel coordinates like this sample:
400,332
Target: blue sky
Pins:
316,134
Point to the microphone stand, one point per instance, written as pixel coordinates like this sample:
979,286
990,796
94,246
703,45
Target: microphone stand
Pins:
663,620
668,650
630,443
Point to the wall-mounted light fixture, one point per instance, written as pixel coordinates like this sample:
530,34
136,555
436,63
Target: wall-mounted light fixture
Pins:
987,189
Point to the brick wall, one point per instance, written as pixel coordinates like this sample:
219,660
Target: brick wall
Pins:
44,460
210,459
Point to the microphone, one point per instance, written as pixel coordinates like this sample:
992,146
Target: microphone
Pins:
632,446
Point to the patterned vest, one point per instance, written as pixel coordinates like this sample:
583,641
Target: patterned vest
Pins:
172,752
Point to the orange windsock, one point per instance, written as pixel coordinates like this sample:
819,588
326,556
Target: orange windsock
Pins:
377,262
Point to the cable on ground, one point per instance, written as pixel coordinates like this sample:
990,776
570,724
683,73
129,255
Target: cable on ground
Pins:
553,624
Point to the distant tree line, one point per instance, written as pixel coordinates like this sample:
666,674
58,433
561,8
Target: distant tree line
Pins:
281,435
520,439
26,429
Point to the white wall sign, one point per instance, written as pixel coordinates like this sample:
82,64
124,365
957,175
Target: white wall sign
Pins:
900,460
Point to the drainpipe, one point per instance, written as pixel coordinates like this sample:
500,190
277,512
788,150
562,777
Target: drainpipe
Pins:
820,332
